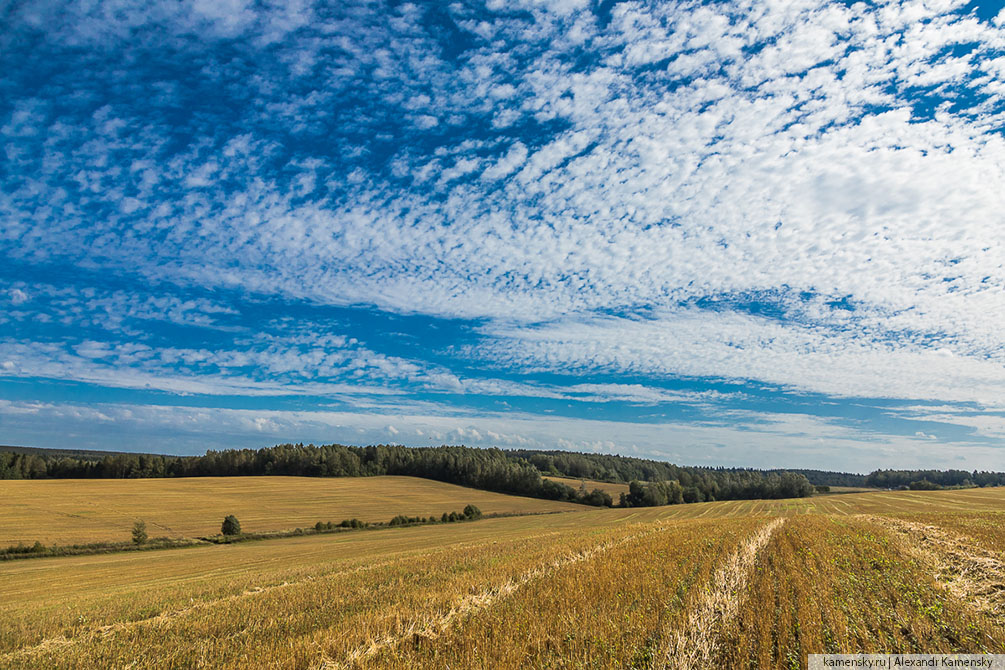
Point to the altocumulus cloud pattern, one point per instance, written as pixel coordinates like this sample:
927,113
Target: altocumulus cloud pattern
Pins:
758,233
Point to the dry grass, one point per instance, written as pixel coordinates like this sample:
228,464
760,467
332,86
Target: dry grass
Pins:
71,511
827,584
696,644
973,574
615,588
982,531
306,607
606,610
95,591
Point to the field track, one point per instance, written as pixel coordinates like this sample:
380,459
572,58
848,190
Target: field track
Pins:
746,584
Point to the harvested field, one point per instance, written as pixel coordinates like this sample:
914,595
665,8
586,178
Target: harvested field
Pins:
827,584
973,573
67,511
744,584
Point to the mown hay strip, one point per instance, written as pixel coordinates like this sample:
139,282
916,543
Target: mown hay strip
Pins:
695,645
433,627
49,644
974,575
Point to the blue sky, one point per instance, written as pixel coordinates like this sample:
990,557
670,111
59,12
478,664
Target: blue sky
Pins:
752,233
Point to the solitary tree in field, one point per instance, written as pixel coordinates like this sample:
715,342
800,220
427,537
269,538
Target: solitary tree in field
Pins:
231,526
139,532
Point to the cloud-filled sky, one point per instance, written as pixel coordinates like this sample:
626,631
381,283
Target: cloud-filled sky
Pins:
718,233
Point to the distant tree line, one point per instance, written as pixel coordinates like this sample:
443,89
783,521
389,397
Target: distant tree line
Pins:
933,479
661,483
514,472
488,469
827,478
510,471
728,487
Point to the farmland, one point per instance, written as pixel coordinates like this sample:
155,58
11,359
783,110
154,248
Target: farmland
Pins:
744,584
66,511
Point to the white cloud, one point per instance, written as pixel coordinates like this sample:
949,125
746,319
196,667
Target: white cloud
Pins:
508,163
18,297
694,164
725,345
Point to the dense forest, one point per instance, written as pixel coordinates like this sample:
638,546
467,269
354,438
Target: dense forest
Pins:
513,471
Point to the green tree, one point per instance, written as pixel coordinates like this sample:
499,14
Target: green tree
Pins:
140,532
231,526
598,498
472,512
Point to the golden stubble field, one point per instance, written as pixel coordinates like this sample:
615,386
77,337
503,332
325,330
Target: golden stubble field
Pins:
747,584
68,511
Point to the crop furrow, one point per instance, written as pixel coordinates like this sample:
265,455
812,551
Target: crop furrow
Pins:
695,644
429,628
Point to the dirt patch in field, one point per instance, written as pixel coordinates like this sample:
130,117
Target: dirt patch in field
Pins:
971,573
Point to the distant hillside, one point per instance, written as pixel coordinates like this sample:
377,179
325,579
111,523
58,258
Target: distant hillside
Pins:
520,471
60,512
656,483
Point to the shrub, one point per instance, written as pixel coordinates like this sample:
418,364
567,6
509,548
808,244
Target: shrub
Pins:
320,526
352,523
472,512
140,532
597,498
19,548
231,526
